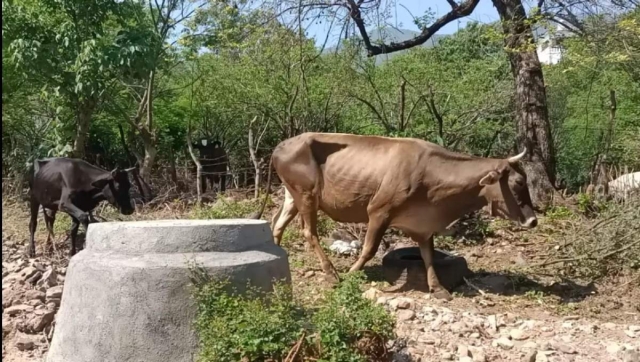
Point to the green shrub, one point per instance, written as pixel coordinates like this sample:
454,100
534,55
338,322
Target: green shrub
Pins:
252,326
350,327
256,326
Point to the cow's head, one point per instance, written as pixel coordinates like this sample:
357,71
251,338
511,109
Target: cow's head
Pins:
115,187
507,194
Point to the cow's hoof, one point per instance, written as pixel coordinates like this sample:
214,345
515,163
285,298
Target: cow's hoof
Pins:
442,294
331,278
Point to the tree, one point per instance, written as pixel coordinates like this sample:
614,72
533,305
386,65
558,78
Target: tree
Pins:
532,114
69,49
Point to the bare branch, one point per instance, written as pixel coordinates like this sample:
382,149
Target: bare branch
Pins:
458,11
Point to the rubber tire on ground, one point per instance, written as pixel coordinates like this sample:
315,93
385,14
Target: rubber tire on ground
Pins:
405,268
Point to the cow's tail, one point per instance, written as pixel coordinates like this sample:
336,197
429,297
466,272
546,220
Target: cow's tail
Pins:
258,215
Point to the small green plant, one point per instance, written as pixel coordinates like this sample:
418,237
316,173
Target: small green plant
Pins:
350,327
226,208
326,225
535,295
589,205
558,213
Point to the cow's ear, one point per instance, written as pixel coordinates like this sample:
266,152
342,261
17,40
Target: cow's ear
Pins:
102,182
491,178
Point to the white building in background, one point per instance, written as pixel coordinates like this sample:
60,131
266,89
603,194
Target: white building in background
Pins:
549,47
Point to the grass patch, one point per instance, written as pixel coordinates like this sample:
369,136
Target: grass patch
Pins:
256,326
227,208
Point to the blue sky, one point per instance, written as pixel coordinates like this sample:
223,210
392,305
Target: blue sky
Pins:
403,19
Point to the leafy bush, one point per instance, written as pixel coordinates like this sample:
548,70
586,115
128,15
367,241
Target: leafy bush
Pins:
256,326
557,213
250,326
350,327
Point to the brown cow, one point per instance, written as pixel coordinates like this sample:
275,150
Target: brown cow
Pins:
404,183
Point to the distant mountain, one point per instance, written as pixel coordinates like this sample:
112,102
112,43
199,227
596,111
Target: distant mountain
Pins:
389,35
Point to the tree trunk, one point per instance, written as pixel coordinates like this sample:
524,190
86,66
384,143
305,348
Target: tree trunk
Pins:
198,166
83,122
532,115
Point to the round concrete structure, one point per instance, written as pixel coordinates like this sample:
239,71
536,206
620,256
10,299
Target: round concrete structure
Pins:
127,296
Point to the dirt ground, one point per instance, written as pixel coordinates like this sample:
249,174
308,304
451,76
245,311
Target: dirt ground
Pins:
506,311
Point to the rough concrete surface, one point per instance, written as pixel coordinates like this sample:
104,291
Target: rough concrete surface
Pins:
127,297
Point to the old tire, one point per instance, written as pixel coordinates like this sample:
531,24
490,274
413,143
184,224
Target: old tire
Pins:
404,268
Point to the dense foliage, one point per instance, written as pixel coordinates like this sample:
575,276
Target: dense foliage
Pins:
255,326
70,64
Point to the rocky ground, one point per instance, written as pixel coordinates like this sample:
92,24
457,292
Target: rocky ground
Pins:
436,331
499,314
31,293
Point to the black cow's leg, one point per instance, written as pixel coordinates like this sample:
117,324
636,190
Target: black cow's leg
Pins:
67,206
203,183
33,223
75,225
223,183
49,220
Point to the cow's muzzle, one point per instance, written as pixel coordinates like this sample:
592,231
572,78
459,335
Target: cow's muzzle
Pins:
127,211
530,223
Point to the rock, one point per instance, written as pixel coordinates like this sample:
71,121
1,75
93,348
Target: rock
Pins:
474,335
567,325
382,300
465,359
27,273
18,309
634,328
446,356
35,302
34,278
630,333
610,325
630,356
405,315
564,348
34,294
7,327
530,345
531,356
477,354
372,294
24,343
517,335
40,320
463,351
492,322
49,278
10,297
541,357
402,303
504,343
309,274
613,348
54,292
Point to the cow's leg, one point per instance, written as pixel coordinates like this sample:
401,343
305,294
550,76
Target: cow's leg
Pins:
75,225
33,224
427,252
49,220
309,210
375,230
223,183
203,183
281,220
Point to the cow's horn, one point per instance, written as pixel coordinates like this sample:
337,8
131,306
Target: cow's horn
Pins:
518,157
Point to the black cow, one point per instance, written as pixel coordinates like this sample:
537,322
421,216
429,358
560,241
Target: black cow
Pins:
214,161
75,187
